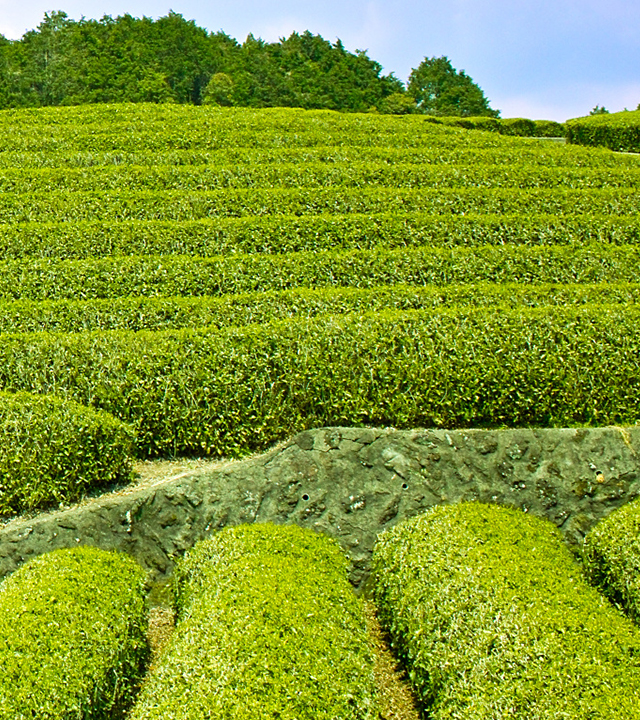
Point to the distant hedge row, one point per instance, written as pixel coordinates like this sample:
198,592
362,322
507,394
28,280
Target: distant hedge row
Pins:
493,619
224,311
521,127
72,636
617,131
306,233
156,126
53,450
179,206
113,277
268,627
234,391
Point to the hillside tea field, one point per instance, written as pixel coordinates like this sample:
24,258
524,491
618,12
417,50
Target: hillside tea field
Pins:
222,278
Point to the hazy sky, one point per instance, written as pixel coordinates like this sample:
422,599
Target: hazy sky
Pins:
552,59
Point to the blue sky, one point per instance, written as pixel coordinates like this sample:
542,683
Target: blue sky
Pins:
552,59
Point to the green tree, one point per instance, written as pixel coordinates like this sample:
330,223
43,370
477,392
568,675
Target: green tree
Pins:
399,103
597,110
5,82
41,75
129,59
219,90
439,89
304,70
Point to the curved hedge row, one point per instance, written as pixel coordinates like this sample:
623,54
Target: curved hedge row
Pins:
453,148
493,618
120,128
235,391
611,554
53,450
184,275
268,627
72,636
178,205
295,233
152,127
224,311
320,174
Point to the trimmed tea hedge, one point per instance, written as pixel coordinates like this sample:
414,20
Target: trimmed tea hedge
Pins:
294,233
72,636
448,147
549,128
180,206
493,618
617,131
517,126
239,390
224,311
611,554
309,174
53,450
268,627
154,126
184,275
521,127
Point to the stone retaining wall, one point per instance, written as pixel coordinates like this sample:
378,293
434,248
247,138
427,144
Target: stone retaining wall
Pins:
352,483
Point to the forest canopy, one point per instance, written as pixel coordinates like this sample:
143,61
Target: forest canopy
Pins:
128,59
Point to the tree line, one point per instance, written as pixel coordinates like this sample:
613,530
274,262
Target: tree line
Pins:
128,59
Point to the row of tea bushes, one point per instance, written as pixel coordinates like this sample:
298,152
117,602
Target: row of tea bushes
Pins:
185,275
485,605
282,234
617,131
235,391
120,127
180,206
224,311
612,557
493,619
72,636
53,450
449,148
268,627
312,174
521,127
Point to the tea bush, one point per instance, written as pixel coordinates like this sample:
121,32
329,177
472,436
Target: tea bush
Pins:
227,310
230,392
180,206
493,618
611,554
72,636
53,450
185,275
268,626
617,131
311,233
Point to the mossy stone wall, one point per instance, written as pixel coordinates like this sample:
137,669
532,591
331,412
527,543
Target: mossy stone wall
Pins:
352,483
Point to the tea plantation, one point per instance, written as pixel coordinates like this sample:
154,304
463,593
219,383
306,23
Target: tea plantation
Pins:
180,280
219,279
